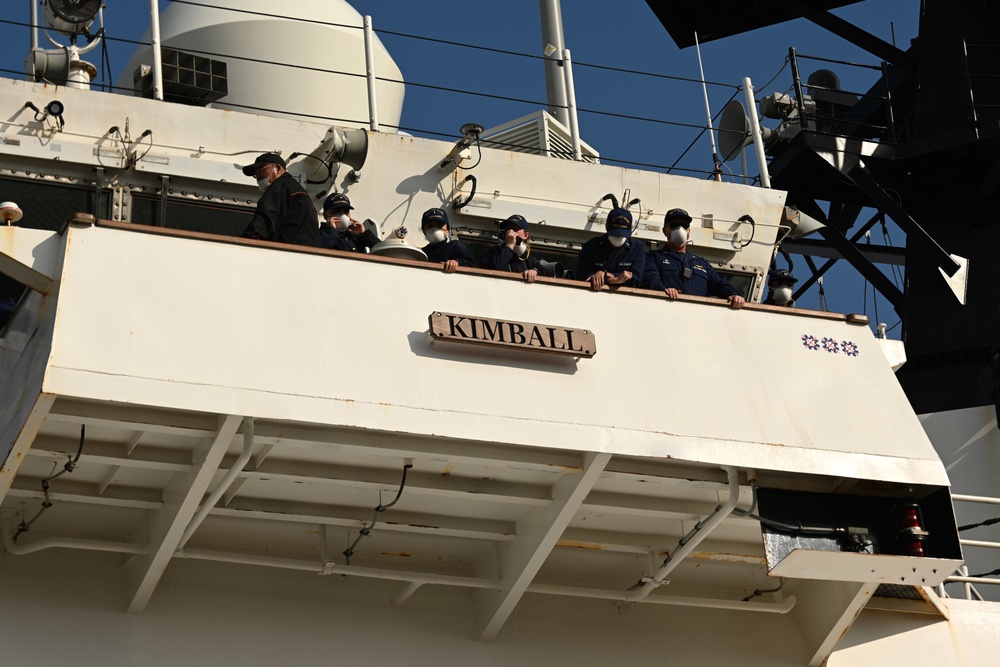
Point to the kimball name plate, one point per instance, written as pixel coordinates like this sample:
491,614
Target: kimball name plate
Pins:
472,330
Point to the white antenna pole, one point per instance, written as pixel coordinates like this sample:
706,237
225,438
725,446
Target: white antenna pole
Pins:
370,73
708,112
154,34
758,140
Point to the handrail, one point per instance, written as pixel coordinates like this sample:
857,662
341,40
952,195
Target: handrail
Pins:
855,319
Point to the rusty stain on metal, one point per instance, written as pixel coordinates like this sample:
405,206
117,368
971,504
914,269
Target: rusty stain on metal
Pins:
572,544
448,470
401,554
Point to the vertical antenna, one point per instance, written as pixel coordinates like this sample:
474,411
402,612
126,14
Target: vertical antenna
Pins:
716,170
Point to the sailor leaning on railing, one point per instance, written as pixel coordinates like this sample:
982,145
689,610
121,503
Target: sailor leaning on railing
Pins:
513,253
340,231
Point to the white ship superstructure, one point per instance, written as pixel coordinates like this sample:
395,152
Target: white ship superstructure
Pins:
221,450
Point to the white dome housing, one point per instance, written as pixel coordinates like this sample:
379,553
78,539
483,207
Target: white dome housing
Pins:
289,53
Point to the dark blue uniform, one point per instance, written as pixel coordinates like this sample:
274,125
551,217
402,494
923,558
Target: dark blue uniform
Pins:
598,254
685,272
285,213
502,258
445,250
333,239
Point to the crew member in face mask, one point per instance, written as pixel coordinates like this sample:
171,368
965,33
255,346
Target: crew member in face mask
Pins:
339,230
676,271
781,284
285,212
513,253
453,254
614,258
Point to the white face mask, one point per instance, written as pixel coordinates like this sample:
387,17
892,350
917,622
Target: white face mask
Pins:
435,235
263,184
679,236
616,241
520,247
783,294
341,222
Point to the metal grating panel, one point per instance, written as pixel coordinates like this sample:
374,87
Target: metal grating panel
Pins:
538,133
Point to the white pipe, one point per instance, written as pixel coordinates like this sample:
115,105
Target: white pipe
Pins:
333,568
154,32
224,485
691,540
555,81
758,141
979,543
574,120
418,579
976,499
415,580
16,549
782,607
34,35
370,74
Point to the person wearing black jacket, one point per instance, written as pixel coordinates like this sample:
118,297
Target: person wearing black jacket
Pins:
285,212
513,253
452,253
340,231
614,258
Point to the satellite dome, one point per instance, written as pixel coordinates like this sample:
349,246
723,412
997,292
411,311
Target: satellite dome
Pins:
303,64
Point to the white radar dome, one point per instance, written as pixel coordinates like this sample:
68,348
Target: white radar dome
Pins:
295,65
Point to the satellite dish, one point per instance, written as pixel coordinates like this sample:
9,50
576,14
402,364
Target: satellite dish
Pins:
734,131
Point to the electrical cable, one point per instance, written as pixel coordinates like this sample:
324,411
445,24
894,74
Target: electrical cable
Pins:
753,228
367,530
328,165
462,204
68,467
757,592
987,522
986,574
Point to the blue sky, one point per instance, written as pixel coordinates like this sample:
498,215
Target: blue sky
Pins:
624,34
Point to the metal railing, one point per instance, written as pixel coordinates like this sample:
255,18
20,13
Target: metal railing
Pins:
961,575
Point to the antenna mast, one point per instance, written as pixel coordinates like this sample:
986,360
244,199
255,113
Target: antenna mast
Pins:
716,168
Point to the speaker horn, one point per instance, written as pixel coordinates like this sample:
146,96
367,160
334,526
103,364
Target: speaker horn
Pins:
734,131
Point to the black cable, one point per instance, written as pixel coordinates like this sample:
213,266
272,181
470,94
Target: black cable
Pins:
69,466
753,228
367,530
797,528
328,165
462,204
758,592
987,522
987,574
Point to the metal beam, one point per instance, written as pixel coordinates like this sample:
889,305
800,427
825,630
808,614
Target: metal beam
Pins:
851,253
825,612
537,533
71,491
356,517
850,32
110,453
381,479
22,443
914,232
878,254
818,273
181,499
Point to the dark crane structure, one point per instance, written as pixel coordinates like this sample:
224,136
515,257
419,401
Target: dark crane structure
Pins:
922,148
